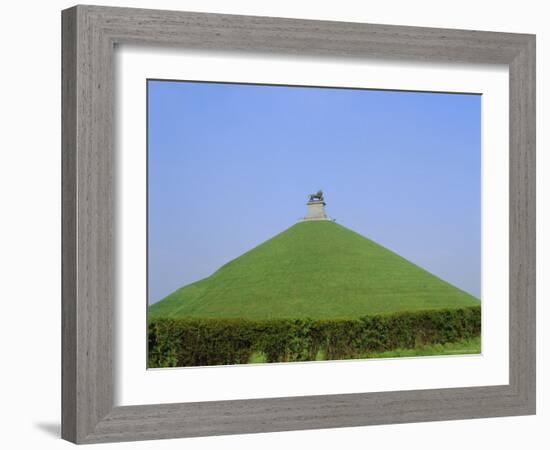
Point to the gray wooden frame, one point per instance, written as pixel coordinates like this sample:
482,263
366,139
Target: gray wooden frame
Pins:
89,34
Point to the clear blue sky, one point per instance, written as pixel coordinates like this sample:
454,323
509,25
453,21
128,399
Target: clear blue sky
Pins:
231,165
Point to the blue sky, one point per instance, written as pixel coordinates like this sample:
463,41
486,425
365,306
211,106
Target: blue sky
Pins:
230,166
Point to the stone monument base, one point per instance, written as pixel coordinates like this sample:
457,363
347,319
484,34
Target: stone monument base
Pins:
316,211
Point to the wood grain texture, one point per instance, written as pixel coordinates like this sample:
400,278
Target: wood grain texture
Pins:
68,225
89,36
523,224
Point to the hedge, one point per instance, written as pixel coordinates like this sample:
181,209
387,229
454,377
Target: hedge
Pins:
204,342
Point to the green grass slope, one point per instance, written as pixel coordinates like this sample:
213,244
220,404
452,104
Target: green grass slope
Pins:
315,269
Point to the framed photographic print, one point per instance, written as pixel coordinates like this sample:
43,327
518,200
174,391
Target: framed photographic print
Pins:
279,224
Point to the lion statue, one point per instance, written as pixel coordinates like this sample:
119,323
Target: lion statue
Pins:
317,196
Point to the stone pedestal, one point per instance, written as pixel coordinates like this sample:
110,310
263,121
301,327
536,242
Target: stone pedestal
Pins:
316,211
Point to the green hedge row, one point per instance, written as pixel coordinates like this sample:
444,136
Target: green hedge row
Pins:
203,342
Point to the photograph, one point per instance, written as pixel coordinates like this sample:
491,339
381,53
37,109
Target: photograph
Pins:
275,225
300,223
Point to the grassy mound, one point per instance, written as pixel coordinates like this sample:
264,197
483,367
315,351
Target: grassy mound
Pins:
318,270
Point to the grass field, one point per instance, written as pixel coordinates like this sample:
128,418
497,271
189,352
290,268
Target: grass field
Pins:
463,347
317,270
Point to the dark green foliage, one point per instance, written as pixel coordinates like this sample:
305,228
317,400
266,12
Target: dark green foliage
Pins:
204,342
177,342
